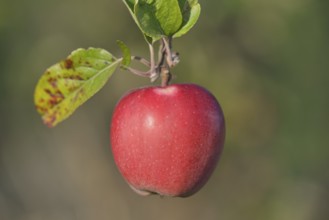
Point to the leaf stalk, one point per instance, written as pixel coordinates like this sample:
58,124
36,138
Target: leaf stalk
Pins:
167,59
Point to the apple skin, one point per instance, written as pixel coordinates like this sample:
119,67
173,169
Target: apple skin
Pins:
167,140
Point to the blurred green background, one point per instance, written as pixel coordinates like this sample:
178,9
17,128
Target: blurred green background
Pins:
266,62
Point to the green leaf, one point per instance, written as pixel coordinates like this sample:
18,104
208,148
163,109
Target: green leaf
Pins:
164,18
158,18
131,5
191,11
69,83
126,59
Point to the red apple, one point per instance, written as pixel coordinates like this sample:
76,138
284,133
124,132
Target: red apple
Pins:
167,140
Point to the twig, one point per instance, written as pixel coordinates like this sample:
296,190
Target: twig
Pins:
141,60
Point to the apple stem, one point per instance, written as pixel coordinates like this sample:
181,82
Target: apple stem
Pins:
165,76
166,60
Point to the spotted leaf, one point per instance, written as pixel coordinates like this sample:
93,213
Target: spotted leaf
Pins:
71,82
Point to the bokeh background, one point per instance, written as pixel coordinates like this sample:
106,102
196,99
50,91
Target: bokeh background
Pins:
266,62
